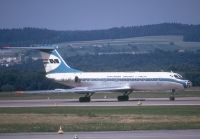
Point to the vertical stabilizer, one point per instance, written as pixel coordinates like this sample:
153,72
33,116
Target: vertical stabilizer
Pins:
54,63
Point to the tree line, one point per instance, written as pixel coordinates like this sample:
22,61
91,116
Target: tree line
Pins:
29,36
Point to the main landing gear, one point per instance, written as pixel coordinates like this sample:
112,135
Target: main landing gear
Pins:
172,95
124,97
86,98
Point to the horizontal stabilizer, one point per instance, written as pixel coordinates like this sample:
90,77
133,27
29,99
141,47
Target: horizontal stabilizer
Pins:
52,60
31,48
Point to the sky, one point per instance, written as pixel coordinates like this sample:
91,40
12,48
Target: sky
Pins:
95,14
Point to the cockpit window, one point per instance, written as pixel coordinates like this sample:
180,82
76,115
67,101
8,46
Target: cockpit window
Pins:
178,76
175,76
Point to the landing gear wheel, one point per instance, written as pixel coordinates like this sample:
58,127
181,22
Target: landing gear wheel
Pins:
84,99
172,96
123,98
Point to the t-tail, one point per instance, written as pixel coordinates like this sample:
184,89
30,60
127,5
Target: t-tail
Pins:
54,63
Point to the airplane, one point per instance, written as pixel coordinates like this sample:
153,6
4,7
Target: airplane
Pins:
88,83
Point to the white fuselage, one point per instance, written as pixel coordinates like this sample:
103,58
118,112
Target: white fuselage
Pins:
138,81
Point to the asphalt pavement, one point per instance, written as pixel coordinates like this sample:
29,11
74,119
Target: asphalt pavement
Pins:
100,102
150,134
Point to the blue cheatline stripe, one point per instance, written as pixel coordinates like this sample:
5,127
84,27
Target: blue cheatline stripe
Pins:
63,67
135,79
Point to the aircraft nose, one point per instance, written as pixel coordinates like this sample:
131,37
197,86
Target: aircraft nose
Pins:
188,84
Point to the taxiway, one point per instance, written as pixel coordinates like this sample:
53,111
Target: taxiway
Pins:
153,134
100,102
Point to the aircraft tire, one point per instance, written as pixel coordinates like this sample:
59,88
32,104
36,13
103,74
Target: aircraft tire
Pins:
123,98
84,99
171,98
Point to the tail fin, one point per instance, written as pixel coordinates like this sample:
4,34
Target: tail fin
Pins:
54,63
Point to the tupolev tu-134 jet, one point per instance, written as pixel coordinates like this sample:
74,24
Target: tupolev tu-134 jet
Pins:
88,83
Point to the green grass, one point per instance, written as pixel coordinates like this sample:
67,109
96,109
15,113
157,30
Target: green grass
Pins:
144,118
146,43
13,128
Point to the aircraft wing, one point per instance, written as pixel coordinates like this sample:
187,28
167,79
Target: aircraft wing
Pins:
99,89
79,90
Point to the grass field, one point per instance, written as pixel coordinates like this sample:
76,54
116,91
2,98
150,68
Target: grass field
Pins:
146,43
99,118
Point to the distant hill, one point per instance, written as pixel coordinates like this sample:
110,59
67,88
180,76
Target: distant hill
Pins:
28,36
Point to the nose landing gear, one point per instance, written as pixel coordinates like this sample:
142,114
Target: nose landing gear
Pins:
172,95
